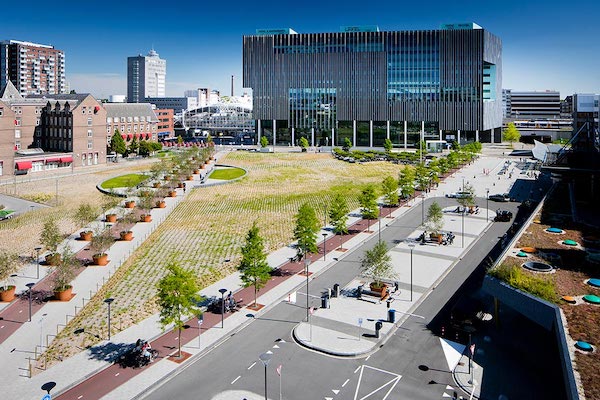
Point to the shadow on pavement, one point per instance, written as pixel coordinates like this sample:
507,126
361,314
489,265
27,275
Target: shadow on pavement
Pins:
109,351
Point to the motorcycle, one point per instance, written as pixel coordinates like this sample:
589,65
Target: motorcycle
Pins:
135,357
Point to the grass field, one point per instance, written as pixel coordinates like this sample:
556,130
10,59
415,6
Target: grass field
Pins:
227,173
129,180
209,227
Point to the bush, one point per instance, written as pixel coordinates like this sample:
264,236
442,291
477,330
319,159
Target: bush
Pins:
540,286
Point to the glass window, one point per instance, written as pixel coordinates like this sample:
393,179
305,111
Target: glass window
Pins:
90,144
17,134
90,133
89,121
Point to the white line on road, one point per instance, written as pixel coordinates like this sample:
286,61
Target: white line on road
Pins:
253,364
344,384
357,368
117,374
79,397
367,359
235,380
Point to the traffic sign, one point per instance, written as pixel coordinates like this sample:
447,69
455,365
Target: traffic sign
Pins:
360,321
47,397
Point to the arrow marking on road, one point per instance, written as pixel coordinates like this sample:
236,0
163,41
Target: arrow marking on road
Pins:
449,387
446,395
275,347
328,398
335,391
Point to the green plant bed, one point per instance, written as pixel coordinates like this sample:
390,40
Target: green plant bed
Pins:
540,286
129,180
227,173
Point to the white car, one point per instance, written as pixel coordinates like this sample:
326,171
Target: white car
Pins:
459,195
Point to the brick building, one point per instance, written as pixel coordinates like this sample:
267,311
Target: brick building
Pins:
166,123
131,119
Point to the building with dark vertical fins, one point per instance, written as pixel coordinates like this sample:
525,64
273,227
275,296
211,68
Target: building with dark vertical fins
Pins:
368,85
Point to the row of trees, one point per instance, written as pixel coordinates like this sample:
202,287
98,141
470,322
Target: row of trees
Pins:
141,147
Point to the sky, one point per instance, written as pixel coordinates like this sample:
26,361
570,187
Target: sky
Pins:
547,45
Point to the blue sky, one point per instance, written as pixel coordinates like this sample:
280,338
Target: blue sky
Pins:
546,44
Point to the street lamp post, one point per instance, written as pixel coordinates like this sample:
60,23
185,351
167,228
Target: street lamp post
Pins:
422,208
379,220
222,291
37,252
487,202
324,246
265,358
108,303
30,286
411,245
463,219
306,264
200,321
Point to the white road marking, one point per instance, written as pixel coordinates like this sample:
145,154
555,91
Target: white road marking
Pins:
335,391
253,364
446,395
235,380
344,384
275,347
357,368
117,374
367,359
449,387
80,397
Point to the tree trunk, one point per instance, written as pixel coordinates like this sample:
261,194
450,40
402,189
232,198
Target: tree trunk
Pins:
255,295
179,343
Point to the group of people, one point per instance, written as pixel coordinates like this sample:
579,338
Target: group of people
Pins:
230,303
143,347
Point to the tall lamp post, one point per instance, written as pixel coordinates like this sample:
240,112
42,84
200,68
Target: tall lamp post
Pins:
487,202
265,358
324,246
108,303
422,208
30,285
200,321
463,219
411,245
306,264
37,252
379,220
222,291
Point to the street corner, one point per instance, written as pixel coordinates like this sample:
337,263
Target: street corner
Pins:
333,342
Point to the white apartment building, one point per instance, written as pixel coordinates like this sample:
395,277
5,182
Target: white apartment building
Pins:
146,77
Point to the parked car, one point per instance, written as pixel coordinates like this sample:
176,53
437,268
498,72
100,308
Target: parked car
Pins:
459,195
501,197
503,216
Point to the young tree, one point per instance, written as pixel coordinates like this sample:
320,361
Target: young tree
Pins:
85,214
264,142
179,140
178,298
254,269
388,145
389,188
134,145
347,144
368,202
435,219
422,177
406,181
467,199
117,143
306,229
377,264
303,144
51,236
511,134
338,215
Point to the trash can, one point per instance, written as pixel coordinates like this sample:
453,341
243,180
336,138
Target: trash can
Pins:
392,315
336,290
378,326
359,292
324,301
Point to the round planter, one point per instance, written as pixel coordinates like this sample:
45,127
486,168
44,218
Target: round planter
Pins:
167,178
180,185
156,185
190,178
64,295
378,289
145,218
8,294
196,171
100,259
161,204
112,218
130,204
52,259
86,235
172,193
126,235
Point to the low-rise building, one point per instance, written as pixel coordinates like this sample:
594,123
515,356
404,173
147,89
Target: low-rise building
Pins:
131,119
166,123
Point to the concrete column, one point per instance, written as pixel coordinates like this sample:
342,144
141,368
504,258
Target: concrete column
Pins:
388,130
477,135
492,135
422,137
405,134
441,134
274,133
354,132
293,138
370,133
458,136
312,137
258,127
332,141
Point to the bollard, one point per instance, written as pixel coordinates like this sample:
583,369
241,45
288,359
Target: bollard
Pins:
378,326
359,292
336,290
324,301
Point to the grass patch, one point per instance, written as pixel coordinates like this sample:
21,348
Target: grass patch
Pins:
128,180
538,285
227,173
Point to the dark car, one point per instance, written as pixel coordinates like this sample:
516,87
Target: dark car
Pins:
504,197
503,216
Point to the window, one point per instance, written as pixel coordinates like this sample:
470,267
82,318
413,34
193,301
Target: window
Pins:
90,144
129,119
1,111
108,129
17,121
135,128
128,128
17,134
83,110
37,122
136,119
89,121
122,119
90,110
17,145
142,119
1,169
122,128
90,133
109,120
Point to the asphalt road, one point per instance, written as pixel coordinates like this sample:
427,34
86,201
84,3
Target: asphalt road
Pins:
410,364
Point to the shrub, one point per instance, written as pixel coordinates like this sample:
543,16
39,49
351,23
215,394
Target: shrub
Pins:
540,286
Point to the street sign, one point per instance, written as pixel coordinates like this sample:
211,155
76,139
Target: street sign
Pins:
47,397
360,321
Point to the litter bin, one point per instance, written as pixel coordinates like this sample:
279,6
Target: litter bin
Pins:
336,290
359,292
324,301
378,326
392,315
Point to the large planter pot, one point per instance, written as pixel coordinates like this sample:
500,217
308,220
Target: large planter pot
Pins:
112,218
64,295
156,185
196,171
52,259
7,293
86,235
190,178
130,204
146,218
100,259
126,235
180,185
161,204
172,193
378,289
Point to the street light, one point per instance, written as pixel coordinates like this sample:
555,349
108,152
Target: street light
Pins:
422,208
379,220
306,264
108,302
265,358
487,202
463,218
222,291
411,245
324,246
30,285
200,321
37,252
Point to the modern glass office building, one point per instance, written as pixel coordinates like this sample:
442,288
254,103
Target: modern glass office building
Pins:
368,85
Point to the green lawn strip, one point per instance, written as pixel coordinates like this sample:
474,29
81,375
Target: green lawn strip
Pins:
227,173
128,180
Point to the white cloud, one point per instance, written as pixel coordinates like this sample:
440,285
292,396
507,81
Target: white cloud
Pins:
99,85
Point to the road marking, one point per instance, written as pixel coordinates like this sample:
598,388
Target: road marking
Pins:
335,391
446,395
275,347
344,384
235,380
20,311
253,364
357,368
79,397
367,359
449,387
117,374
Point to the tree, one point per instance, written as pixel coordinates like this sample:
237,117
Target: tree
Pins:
368,202
303,144
435,219
64,271
9,265
467,197
338,214
377,264
264,142
134,145
179,140
254,268
422,177
388,145
406,181
117,143
145,148
347,144
85,214
306,229
389,188
178,299
50,236
511,134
